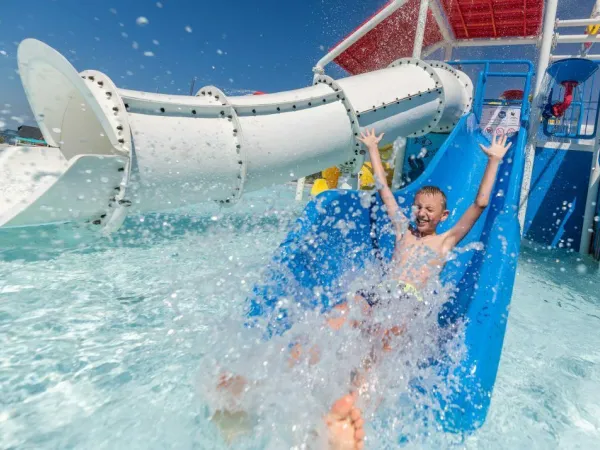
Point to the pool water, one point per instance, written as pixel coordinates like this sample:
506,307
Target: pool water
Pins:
104,341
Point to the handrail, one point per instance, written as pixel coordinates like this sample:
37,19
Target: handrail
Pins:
485,73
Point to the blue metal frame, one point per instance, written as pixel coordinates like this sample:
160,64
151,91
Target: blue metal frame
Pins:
548,128
486,73
587,81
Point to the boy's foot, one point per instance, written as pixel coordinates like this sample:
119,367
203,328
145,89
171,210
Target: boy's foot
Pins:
345,425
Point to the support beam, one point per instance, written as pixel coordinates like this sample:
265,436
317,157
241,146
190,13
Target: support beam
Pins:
359,33
578,22
590,204
420,33
448,52
433,48
559,57
441,21
494,42
300,189
577,38
534,120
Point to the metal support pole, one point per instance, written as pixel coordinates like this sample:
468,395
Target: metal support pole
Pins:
590,202
494,42
578,22
359,33
441,21
420,33
534,121
300,189
399,163
448,52
577,38
559,57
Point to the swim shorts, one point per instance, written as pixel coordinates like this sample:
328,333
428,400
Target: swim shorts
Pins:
405,291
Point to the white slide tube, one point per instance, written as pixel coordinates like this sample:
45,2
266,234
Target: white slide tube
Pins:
154,152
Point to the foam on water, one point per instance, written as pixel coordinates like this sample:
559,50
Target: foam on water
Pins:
118,344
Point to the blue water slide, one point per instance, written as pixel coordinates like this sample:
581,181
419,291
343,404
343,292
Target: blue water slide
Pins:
340,231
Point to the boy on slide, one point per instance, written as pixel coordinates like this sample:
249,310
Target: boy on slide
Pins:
419,254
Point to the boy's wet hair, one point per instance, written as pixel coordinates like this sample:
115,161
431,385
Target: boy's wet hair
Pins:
433,190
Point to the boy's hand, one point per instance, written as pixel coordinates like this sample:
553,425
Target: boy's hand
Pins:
368,138
498,148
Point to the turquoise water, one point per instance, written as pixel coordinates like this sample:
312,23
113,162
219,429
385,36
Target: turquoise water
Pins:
104,341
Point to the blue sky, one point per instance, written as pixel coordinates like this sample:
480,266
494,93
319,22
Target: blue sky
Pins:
267,45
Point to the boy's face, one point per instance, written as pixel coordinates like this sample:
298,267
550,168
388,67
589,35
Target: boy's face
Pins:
429,212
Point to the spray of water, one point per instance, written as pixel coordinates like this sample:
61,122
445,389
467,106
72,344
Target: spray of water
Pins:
395,354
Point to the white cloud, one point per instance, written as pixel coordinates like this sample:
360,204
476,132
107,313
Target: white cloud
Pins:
148,53
141,21
188,29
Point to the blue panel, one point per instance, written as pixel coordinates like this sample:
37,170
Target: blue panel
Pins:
556,202
419,153
572,69
340,230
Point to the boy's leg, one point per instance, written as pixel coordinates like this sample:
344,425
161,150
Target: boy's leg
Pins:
345,425
335,323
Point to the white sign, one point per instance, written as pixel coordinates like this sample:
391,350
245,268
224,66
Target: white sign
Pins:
501,119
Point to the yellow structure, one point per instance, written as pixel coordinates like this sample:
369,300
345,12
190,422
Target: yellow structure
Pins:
367,180
318,186
331,175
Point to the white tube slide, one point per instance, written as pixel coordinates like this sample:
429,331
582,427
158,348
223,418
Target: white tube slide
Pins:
112,150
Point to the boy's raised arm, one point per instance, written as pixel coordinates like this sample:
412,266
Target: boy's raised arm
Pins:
394,212
495,152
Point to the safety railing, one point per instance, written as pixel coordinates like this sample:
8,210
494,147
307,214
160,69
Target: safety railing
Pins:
484,73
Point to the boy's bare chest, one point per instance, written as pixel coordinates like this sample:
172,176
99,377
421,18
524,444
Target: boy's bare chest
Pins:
428,249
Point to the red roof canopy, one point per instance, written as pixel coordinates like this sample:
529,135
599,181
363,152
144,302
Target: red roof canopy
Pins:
494,18
393,38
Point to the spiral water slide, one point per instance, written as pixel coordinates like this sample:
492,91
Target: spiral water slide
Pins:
112,150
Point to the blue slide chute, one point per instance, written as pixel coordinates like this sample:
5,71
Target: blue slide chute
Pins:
341,230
